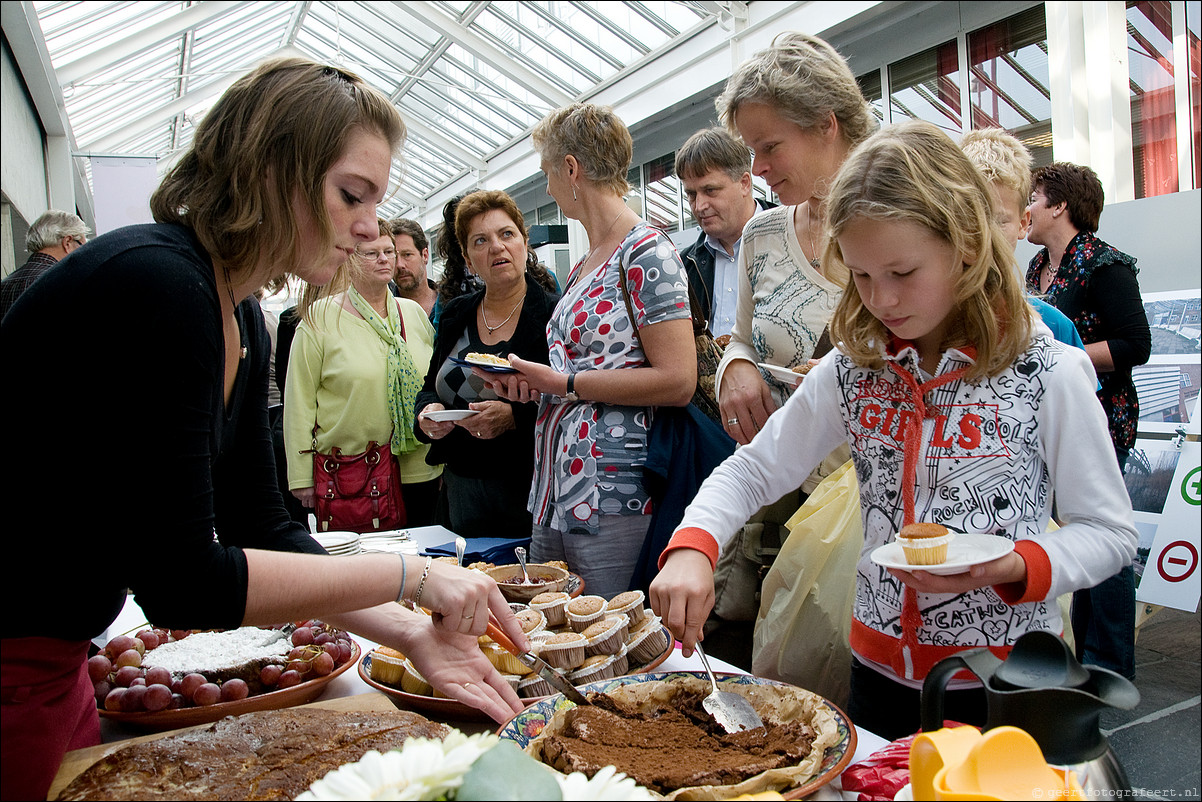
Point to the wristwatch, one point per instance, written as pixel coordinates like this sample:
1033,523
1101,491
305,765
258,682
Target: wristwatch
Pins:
571,393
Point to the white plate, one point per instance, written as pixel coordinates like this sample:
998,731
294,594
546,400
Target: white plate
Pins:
784,375
440,415
965,551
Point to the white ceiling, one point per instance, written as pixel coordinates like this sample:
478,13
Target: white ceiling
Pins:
471,77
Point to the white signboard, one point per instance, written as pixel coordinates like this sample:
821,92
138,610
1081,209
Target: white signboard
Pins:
122,186
1164,479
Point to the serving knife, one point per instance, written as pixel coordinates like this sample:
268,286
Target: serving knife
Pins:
551,675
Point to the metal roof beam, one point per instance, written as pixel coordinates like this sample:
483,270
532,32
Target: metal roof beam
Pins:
187,20
451,28
461,154
161,115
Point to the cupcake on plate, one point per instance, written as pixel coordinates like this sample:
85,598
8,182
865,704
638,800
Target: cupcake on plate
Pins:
603,637
531,620
621,662
925,543
413,682
597,667
387,666
630,603
623,624
534,686
645,645
502,660
564,650
584,611
554,607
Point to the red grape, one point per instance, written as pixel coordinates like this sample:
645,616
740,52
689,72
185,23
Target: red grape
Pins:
270,675
157,675
156,698
180,634
289,678
190,683
233,690
138,681
333,650
113,700
126,675
299,666
178,701
129,657
131,702
207,694
323,664
322,638
118,645
102,689
99,667
303,636
346,650
149,638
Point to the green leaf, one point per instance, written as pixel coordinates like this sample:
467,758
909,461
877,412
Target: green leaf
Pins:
505,772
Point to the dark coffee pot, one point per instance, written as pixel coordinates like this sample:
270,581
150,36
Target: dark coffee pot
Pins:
1041,688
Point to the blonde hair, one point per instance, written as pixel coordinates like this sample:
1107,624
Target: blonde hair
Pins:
1002,158
914,173
805,80
270,138
595,135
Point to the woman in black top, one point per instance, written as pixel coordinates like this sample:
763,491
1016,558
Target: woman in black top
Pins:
140,388
489,456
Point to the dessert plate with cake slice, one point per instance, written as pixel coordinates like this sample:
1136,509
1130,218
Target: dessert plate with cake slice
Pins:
487,362
963,552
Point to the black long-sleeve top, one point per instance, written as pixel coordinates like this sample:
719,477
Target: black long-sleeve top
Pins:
467,455
124,459
1096,287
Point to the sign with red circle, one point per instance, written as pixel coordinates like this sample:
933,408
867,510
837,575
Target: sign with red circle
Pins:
1177,561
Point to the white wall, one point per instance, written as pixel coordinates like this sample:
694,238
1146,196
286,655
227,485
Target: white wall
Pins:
23,168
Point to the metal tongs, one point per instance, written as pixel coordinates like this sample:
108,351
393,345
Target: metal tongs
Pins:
551,675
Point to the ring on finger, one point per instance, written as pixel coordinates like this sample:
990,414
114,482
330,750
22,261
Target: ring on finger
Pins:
469,617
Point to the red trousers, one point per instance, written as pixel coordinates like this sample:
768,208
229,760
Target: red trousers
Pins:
47,708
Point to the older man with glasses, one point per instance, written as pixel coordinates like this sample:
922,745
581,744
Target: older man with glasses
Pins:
51,237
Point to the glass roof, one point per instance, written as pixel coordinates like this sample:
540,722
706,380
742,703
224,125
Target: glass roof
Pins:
469,76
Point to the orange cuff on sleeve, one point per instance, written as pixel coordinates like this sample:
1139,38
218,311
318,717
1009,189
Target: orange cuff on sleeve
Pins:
693,538
1039,576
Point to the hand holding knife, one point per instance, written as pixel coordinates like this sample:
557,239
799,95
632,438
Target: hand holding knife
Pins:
551,675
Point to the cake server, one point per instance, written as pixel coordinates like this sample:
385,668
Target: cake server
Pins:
551,675
732,711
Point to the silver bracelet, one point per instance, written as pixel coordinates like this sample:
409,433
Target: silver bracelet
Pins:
417,600
400,597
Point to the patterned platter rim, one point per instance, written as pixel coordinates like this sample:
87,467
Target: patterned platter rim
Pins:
303,693
525,726
452,708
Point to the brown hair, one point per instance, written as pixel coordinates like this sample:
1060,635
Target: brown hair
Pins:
913,172
481,201
270,138
593,134
403,225
1077,187
712,149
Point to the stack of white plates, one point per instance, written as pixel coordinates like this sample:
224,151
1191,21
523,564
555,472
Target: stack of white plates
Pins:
396,541
339,543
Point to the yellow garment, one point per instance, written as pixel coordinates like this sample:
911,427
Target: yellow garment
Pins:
337,378
801,634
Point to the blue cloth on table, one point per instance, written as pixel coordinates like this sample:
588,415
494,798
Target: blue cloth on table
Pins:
497,550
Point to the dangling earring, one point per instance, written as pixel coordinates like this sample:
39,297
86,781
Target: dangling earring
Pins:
574,192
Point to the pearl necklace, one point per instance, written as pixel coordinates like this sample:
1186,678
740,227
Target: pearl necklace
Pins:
512,312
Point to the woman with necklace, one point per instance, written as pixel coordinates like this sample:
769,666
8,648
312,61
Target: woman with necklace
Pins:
620,343
487,457
353,376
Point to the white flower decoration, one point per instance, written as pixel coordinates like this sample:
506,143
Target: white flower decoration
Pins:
422,769
606,784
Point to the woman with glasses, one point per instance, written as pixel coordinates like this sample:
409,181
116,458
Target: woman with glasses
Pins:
355,369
